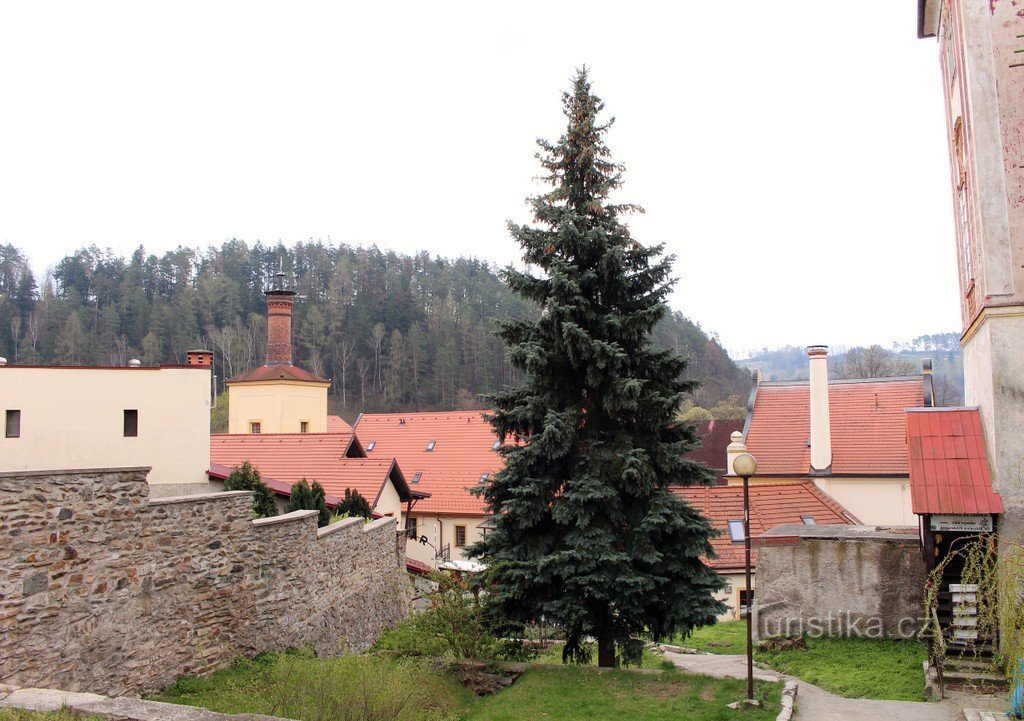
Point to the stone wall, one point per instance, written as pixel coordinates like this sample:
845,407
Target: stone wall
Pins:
839,580
105,590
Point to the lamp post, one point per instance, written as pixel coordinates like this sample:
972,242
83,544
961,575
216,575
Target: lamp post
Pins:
745,465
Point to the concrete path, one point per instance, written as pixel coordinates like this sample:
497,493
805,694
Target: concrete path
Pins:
816,704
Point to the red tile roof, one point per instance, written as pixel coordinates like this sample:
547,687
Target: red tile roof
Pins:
281,488
866,420
462,453
770,505
337,424
715,437
290,457
278,371
949,471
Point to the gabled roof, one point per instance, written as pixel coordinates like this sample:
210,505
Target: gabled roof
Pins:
462,452
280,488
290,457
866,420
276,372
949,471
715,437
770,505
337,424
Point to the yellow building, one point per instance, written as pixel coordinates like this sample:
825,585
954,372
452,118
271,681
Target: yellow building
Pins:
70,417
278,397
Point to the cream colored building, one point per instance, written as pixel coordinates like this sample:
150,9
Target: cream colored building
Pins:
61,418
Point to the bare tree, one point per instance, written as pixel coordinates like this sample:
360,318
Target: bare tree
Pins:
873,362
343,356
16,333
378,333
363,367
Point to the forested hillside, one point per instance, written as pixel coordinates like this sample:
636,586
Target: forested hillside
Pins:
391,331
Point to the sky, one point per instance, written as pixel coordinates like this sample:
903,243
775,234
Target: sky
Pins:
792,155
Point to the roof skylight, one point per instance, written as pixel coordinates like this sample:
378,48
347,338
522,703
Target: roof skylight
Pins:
736,531
416,477
370,445
430,445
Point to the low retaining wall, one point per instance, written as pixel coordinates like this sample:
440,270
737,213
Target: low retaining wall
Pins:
105,590
839,580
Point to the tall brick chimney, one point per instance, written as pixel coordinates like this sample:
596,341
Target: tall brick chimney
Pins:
821,427
280,298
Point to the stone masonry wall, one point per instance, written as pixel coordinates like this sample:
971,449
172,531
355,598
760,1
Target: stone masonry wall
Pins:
841,581
105,590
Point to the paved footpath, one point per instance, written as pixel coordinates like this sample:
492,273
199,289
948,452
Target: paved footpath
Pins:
816,704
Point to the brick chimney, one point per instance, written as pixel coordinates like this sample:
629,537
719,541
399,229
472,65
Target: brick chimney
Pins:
200,357
280,298
821,429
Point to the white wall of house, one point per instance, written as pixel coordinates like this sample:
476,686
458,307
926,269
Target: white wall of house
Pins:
74,418
440,531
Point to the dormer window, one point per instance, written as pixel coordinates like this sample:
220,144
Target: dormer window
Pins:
430,445
736,531
496,445
370,445
416,477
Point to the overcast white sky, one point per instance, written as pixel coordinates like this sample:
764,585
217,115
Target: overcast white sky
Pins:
791,154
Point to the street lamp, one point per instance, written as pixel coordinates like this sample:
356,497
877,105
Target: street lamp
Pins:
745,465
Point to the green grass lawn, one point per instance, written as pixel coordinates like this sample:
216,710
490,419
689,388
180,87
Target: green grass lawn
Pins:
857,667
300,687
652,659
725,637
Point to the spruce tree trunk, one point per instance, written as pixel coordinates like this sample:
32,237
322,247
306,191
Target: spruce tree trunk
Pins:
605,649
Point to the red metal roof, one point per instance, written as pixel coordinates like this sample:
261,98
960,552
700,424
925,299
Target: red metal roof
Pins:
770,505
866,421
462,452
276,372
290,457
949,471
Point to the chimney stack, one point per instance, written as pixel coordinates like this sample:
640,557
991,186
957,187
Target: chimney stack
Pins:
200,357
821,429
280,298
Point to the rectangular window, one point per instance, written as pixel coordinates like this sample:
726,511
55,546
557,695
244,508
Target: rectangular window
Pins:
736,531
744,596
416,477
13,424
255,427
370,445
303,426
131,423
808,520
430,445
410,527
460,536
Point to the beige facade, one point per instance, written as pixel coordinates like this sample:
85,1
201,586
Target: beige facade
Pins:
874,501
442,531
80,417
730,595
277,406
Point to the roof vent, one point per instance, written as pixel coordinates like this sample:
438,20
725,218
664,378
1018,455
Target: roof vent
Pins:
496,445
484,477
3,361
134,363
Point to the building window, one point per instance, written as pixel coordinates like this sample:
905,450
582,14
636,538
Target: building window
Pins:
255,427
736,531
370,445
410,527
303,426
460,536
416,477
744,594
430,445
131,423
808,520
13,424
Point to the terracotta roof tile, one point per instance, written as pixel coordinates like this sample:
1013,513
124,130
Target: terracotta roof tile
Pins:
278,371
463,450
949,471
715,437
866,420
770,505
290,457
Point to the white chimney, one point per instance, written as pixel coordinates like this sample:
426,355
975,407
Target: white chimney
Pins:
821,429
734,449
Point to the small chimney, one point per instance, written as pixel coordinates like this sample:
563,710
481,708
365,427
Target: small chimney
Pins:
929,383
821,428
280,298
199,357
134,363
736,448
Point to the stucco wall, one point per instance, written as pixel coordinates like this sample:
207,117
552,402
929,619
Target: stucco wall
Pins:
440,530
875,501
74,418
279,406
105,590
840,580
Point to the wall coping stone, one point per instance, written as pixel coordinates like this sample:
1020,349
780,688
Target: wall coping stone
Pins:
283,518
908,534
379,523
76,472
218,496
335,527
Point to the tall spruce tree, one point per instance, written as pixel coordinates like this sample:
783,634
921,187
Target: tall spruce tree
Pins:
587,532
